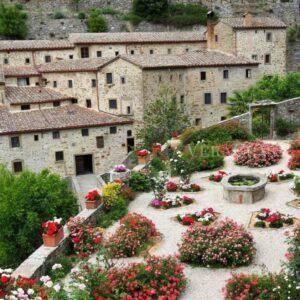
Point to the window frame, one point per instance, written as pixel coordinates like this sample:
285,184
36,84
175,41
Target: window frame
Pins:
85,132
57,153
210,98
15,141
55,134
113,130
112,101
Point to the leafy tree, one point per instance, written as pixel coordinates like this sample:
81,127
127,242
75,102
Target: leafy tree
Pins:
26,201
162,117
13,21
96,22
150,9
268,88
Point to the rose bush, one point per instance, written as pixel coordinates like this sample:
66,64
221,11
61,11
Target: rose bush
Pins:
226,244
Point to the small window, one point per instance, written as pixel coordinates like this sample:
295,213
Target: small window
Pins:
70,84
99,53
180,77
5,61
223,118
113,130
223,97
169,51
55,134
88,103
116,53
254,56
56,103
171,77
132,52
23,81
269,37
109,78
123,81
129,132
181,99
93,83
71,56
207,98
84,52
248,73
55,84
187,50
15,142
203,75
47,59
151,51
225,74
128,110
216,38
198,121
267,59
17,166
100,141
159,78
74,101
59,156
85,132
36,137
113,104
25,107
27,60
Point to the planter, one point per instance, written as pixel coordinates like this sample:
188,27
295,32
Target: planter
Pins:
156,149
118,175
53,240
92,204
143,160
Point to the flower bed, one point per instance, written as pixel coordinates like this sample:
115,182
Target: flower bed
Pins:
257,154
294,161
267,219
226,244
167,203
133,236
280,176
157,278
225,149
172,186
217,177
205,217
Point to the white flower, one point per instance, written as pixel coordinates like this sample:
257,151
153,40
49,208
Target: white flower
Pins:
57,220
56,266
56,287
12,298
20,291
45,278
30,292
49,284
73,270
175,160
81,286
7,270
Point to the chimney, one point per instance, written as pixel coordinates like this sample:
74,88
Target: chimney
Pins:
248,19
210,34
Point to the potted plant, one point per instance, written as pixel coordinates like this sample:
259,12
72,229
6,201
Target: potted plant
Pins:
53,232
119,172
156,148
93,199
143,156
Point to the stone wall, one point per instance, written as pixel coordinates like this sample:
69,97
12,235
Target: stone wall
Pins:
289,110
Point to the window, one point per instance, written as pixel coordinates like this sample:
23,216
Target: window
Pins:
223,118
23,81
109,78
55,84
181,99
151,51
171,77
254,56
99,53
55,134
27,60
159,78
100,141
84,52
225,74
198,121
36,137
74,101
116,53
267,59
85,132
128,110
5,61
203,75
129,132
169,51
25,107
47,59
216,38
88,103
113,104
15,142
71,56
207,98
93,82
180,77
132,52
59,156
113,130
70,83
56,103
223,97
123,81
269,37
248,73
17,166
187,50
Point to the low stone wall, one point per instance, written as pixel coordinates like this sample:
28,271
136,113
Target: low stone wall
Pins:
288,110
243,120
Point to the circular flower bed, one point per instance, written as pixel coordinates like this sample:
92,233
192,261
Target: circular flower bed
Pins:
205,217
226,244
133,236
257,155
171,203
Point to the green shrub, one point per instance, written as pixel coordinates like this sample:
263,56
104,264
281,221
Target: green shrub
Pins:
59,15
106,219
13,21
81,15
96,22
26,201
112,196
149,9
296,187
139,182
284,127
108,11
260,128
132,18
293,33
157,165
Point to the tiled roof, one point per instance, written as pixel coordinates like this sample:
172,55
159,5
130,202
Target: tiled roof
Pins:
136,37
32,94
20,71
74,65
64,117
200,58
35,45
258,22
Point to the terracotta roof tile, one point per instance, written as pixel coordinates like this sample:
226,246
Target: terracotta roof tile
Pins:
32,94
64,117
258,22
35,45
12,71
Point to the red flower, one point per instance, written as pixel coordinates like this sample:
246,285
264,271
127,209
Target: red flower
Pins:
4,279
76,240
97,240
92,195
187,220
273,178
171,186
143,152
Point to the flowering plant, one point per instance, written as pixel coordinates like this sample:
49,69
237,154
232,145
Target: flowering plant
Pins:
167,203
226,244
51,227
156,146
171,186
143,152
280,176
120,168
93,195
134,233
225,149
257,154
273,220
205,217
218,176
294,161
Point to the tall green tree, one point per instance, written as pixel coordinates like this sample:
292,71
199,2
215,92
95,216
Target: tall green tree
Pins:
13,21
162,117
26,201
96,22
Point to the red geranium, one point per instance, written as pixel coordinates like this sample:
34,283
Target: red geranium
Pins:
171,186
143,152
4,279
93,195
187,220
51,227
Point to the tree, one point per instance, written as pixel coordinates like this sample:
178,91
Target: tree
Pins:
150,9
26,201
96,22
162,117
13,21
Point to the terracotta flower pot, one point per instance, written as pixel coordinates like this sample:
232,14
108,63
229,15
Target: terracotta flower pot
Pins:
92,204
156,149
53,240
143,159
